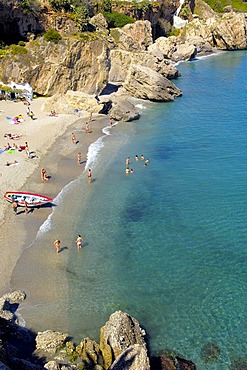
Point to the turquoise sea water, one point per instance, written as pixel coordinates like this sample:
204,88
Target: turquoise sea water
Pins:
167,244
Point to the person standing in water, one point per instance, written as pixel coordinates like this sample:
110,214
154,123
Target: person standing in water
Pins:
79,241
57,245
89,175
79,158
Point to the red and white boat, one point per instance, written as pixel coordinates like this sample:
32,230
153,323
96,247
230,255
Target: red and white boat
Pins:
32,199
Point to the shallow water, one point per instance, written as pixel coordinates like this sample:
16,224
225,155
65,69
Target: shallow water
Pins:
167,244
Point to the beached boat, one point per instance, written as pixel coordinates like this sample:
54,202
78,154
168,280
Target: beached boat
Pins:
32,199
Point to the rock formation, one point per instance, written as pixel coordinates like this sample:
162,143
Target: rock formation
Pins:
133,37
226,31
56,68
144,83
121,61
122,346
122,342
50,341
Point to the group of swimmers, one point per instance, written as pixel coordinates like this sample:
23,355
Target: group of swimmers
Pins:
127,162
79,241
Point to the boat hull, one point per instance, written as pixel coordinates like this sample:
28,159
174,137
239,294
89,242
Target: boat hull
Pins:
32,199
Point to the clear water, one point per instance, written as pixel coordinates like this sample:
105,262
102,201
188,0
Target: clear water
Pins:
167,244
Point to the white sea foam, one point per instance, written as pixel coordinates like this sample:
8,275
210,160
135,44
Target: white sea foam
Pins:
106,130
93,152
140,106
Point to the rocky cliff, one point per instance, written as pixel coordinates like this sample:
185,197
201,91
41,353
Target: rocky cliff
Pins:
129,56
122,345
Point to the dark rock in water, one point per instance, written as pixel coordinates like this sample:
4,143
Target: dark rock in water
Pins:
185,364
239,364
171,362
210,352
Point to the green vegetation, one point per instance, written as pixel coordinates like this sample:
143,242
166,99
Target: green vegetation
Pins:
17,50
219,5
116,19
52,35
30,7
81,17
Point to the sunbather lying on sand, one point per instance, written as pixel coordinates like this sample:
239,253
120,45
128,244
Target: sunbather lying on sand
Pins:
11,163
12,136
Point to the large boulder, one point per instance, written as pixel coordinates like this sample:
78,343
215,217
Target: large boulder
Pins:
120,334
89,353
133,37
56,68
144,83
121,61
50,341
80,100
133,358
123,109
174,49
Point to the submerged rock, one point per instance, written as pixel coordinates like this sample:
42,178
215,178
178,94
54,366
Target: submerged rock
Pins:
210,352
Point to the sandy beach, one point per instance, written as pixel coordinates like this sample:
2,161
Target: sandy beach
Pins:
41,135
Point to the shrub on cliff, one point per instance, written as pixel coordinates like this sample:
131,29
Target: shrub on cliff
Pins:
17,49
52,35
116,19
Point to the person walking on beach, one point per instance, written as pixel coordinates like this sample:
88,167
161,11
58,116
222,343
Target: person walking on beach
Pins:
79,158
89,175
79,241
87,128
27,150
25,206
73,138
14,207
57,245
43,174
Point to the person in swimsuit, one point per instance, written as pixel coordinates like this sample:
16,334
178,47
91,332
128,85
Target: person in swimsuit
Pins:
73,138
87,128
127,171
14,206
136,158
89,175
25,206
79,158
127,162
44,175
142,157
57,245
79,241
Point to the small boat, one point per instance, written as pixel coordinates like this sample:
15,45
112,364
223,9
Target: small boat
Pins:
32,199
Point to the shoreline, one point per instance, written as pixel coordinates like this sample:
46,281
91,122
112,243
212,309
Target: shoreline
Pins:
26,175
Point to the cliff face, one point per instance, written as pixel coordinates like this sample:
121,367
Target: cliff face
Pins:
55,68
226,31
